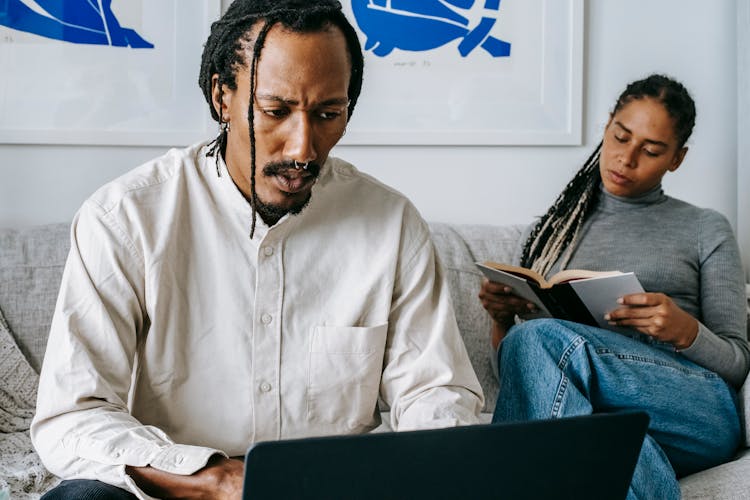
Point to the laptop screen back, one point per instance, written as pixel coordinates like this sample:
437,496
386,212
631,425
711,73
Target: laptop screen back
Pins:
591,457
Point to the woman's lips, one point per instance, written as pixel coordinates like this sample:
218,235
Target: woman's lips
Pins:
618,179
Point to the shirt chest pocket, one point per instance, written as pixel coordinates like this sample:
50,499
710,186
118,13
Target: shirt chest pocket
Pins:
344,374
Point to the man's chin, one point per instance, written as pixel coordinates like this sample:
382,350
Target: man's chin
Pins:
272,212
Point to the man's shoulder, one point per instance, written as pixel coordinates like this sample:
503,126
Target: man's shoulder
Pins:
150,175
344,173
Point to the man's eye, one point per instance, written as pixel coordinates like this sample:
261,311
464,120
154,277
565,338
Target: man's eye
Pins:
652,154
275,112
329,114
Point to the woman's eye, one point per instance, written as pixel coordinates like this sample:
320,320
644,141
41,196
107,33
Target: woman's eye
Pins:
620,138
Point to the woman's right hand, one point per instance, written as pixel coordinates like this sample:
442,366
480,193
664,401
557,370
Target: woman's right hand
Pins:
502,305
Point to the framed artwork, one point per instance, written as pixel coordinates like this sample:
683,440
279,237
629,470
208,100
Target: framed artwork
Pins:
469,72
103,72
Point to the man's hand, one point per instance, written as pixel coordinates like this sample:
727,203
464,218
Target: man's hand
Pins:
220,479
656,315
502,305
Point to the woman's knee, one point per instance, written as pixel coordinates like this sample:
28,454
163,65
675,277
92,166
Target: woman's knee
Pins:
535,338
541,332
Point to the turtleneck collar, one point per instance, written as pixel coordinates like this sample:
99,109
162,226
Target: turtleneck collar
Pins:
608,201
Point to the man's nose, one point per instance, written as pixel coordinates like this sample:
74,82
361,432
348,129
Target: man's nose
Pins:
300,141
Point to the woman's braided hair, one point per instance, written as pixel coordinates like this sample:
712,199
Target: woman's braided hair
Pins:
557,232
231,39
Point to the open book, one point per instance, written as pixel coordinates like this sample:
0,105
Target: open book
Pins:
573,294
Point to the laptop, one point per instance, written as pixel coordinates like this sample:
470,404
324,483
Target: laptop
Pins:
588,457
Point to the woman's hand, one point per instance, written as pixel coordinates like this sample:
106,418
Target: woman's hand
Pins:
502,305
655,314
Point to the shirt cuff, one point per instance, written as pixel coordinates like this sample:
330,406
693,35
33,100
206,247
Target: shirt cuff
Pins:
700,342
183,459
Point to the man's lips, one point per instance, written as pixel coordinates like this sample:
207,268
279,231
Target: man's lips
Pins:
293,182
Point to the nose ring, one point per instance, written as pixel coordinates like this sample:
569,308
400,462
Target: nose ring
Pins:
301,165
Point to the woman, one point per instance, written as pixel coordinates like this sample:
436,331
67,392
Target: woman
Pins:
687,352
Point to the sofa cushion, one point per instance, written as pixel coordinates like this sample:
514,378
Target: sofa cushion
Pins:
31,265
458,247
725,481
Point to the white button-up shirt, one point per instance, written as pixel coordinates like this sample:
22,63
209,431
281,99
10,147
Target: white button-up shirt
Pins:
176,335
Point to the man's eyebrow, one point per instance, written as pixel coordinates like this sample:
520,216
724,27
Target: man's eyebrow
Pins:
291,102
650,141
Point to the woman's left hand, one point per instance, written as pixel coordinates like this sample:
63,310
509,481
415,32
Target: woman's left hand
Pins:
655,314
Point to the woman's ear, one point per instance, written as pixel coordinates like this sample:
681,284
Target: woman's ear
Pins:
219,98
678,157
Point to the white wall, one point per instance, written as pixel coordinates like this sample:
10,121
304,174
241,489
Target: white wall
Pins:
743,132
692,40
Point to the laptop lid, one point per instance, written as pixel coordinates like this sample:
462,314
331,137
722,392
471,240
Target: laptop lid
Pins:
588,457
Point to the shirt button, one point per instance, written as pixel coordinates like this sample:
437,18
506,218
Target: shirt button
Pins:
265,387
267,251
265,319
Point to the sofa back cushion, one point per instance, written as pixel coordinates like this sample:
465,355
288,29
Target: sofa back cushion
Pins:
458,246
31,265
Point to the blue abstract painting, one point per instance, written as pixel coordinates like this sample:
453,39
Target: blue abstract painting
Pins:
74,21
424,25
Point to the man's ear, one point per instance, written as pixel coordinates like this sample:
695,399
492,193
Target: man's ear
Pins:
219,98
678,157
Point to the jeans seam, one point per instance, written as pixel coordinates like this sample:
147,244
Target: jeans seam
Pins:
643,359
562,388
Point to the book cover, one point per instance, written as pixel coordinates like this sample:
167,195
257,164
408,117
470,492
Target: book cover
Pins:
584,300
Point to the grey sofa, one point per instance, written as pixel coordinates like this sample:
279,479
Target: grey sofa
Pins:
31,264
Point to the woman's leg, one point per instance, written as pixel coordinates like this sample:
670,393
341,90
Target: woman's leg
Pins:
85,489
552,368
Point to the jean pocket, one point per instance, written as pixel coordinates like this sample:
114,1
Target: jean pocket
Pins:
344,375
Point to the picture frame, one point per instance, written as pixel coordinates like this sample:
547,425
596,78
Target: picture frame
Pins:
460,93
129,78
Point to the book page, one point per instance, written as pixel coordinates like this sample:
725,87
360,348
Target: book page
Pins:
577,274
600,295
523,272
519,286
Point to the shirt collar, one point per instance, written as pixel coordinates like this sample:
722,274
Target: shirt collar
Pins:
609,201
237,201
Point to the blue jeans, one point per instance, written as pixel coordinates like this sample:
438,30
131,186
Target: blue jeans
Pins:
552,368
85,489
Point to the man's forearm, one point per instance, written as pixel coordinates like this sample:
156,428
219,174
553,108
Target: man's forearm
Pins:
221,478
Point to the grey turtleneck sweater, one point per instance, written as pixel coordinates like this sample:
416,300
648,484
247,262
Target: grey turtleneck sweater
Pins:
685,252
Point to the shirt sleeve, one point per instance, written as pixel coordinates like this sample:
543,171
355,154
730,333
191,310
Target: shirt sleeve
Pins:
721,344
82,427
428,380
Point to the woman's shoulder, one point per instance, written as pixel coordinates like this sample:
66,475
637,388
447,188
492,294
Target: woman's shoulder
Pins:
710,228
696,213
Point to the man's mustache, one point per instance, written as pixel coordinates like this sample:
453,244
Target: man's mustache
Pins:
282,167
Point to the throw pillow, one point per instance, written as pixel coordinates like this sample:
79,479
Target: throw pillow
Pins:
22,474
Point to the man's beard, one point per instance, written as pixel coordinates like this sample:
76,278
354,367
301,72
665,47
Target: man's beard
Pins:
271,213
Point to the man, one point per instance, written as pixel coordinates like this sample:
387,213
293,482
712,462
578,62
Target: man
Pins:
206,305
